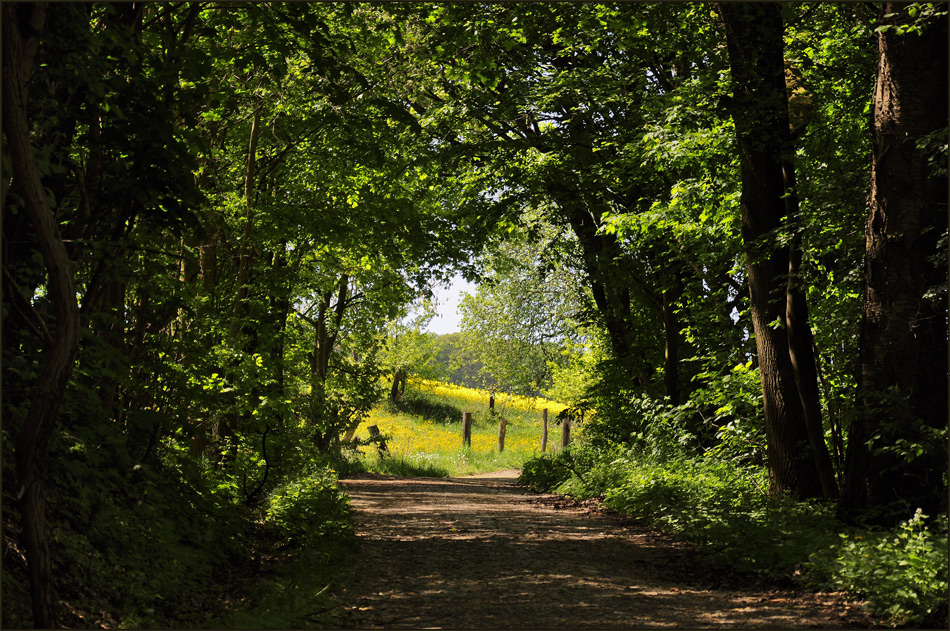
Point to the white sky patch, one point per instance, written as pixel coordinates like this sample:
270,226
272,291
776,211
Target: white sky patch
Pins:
448,318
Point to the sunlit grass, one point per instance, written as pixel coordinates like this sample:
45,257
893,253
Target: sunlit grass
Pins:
421,444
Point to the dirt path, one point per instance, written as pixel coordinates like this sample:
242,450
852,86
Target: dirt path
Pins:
484,553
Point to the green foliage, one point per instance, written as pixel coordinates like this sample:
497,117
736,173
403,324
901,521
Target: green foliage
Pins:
312,506
714,503
251,199
141,542
719,504
544,473
295,595
452,363
902,572
520,321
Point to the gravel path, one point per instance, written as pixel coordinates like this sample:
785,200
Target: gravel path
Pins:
482,552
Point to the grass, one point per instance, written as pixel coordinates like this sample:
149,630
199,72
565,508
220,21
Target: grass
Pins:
424,433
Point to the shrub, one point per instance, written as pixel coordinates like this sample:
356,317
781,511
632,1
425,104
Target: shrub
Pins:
902,573
718,504
722,505
544,472
131,543
311,506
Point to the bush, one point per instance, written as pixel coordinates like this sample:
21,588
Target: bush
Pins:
544,473
902,573
312,506
132,544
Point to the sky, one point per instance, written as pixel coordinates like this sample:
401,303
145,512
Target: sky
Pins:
449,319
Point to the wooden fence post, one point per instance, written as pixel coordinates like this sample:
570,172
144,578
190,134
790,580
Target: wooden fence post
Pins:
502,428
467,429
565,432
544,429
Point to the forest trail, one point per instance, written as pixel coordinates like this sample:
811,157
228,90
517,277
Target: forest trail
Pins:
482,552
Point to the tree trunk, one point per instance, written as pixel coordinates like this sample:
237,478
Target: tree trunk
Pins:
245,261
21,25
325,336
902,385
801,349
602,258
670,350
754,37
673,343
398,378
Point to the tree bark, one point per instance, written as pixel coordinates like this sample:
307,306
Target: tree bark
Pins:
21,26
325,335
902,384
603,264
754,37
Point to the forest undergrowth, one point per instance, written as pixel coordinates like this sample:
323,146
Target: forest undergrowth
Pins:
164,547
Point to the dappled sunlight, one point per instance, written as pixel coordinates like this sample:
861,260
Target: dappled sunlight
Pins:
485,553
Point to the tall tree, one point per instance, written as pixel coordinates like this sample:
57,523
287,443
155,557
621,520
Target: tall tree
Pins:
798,458
22,28
523,317
896,459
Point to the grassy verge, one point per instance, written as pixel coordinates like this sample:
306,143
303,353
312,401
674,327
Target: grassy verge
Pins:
902,573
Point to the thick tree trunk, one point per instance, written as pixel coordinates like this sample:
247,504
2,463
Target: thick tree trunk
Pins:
902,385
754,36
21,25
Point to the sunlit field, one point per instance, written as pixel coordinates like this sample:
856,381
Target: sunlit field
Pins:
430,442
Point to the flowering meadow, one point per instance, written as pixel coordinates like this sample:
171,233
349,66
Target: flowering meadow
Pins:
430,443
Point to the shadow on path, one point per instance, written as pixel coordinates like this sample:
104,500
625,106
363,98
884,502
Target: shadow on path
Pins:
483,552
